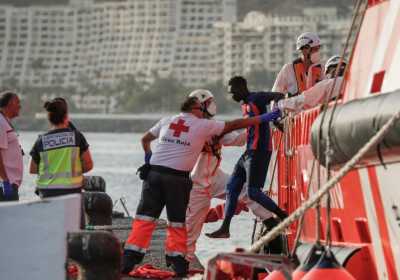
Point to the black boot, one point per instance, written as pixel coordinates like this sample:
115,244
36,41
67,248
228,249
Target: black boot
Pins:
270,223
223,231
275,246
281,213
179,264
130,259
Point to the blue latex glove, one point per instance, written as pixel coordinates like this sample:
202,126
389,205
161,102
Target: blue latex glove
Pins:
268,117
7,189
147,157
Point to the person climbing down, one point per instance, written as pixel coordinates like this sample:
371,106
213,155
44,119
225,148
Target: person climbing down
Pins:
209,180
252,166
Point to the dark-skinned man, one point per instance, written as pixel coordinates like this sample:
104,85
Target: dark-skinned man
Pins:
252,166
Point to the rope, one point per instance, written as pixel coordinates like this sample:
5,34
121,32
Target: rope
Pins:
330,184
301,222
354,26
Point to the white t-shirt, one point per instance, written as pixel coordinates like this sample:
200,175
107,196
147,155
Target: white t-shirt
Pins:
11,152
181,139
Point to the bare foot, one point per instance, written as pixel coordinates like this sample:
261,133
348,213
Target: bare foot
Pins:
218,234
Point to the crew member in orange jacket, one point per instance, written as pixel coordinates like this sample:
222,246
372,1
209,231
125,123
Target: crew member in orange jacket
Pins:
305,71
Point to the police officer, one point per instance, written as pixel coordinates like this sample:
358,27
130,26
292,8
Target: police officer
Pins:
60,156
305,71
180,139
252,166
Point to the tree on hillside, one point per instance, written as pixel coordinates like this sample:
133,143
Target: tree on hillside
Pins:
260,80
164,95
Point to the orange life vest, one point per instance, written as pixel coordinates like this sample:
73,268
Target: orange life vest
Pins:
303,80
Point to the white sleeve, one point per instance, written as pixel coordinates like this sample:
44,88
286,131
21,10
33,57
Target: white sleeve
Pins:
234,138
3,134
281,82
319,92
213,127
155,130
294,104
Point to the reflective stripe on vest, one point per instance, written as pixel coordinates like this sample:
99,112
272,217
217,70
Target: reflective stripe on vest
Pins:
304,82
60,169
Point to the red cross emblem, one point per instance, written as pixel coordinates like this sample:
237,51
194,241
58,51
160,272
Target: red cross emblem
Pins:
178,128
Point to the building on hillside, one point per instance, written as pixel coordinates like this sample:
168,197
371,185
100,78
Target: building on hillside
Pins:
267,42
192,55
80,43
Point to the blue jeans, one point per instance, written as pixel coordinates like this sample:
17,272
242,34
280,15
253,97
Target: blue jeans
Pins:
252,168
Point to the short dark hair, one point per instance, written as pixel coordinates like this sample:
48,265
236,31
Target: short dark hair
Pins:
6,97
62,99
188,104
238,81
56,110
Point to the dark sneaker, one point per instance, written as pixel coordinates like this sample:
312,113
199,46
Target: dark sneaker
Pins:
220,233
275,246
179,264
281,213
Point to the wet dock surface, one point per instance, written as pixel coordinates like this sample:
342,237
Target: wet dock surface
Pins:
156,254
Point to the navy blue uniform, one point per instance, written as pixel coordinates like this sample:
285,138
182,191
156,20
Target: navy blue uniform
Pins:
252,166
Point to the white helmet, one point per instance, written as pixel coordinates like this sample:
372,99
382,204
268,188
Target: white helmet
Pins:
307,38
334,60
206,99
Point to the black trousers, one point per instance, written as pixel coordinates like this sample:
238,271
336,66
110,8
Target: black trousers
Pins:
43,193
165,187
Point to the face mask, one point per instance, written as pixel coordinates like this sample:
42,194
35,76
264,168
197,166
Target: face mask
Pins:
212,108
315,57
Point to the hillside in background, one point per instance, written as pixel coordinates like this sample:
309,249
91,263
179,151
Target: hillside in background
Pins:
291,7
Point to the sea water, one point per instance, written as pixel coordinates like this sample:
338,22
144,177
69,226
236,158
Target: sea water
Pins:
116,157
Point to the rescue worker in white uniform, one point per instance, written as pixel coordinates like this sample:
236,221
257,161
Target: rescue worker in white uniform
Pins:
305,71
180,139
318,93
209,181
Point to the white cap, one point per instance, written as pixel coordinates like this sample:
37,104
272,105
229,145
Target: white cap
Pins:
308,38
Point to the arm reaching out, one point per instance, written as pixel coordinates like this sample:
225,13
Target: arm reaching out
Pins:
242,123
